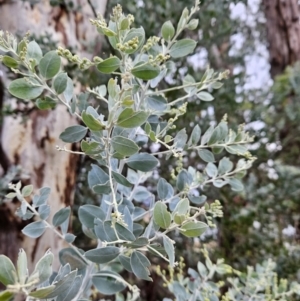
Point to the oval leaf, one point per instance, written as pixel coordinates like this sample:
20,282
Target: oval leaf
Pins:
193,229
162,217
60,83
25,88
109,65
102,255
49,64
73,133
182,48
35,229
142,161
131,119
124,146
145,71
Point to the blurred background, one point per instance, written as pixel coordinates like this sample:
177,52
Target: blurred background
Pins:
258,41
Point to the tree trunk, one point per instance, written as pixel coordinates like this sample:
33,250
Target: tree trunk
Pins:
32,144
283,33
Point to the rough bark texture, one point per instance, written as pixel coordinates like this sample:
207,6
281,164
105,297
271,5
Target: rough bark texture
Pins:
283,33
32,145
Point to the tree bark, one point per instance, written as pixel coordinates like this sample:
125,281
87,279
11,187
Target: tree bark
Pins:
283,33
32,144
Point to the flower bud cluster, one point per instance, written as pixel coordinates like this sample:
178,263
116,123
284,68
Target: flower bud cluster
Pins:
150,43
99,22
129,45
83,63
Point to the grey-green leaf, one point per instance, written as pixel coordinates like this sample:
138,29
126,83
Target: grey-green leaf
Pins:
205,96
46,103
139,264
193,229
25,88
73,133
206,155
167,31
60,82
182,48
108,282
102,255
88,213
109,65
145,71
7,271
61,216
121,179
50,64
124,233
131,119
142,161
35,229
34,52
164,189
162,217
124,146
169,247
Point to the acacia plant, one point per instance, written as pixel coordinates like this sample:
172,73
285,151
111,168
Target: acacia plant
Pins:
132,223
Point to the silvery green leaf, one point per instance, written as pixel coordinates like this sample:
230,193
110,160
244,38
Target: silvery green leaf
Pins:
169,247
46,103
138,213
35,229
42,197
205,96
167,31
142,161
69,237
216,136
34,52
73,133
124,233
44,211
102,188
137,229
102,255
220,183
125,261
195,136
97,176
43,268
202,269
138,243
141,194
93,123
42,293
193,229
68,92
124,146
128,219
182,207
180,139
25,88
132,33
207,135
157,103
198,200
131,119
211,170
22,267
109,65
108,282
164,189
184,179
88,213
225,166
69,257
139,264
71,291
61,216
236,149
206,155
189,80
182,48
109,231
236,185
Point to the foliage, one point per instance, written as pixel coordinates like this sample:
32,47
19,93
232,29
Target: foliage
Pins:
131,225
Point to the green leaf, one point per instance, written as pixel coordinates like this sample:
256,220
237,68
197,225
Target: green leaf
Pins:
169,247
145,71
88,213
35,229
60,82
6,296
193,229
97,176
109,65
71,291
182,207
46,103
195,136
182,48
131,119
168,31
102,188
205,96
34,52
139,264
69,237
124,233
102,255
124,146
25,88
68,256
164,189
162,217
139,243
108,282
121,179
73,133
61,216
10,62
44,211
50,64
27,190
142,161
206,155
7,271
91,122
193,24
